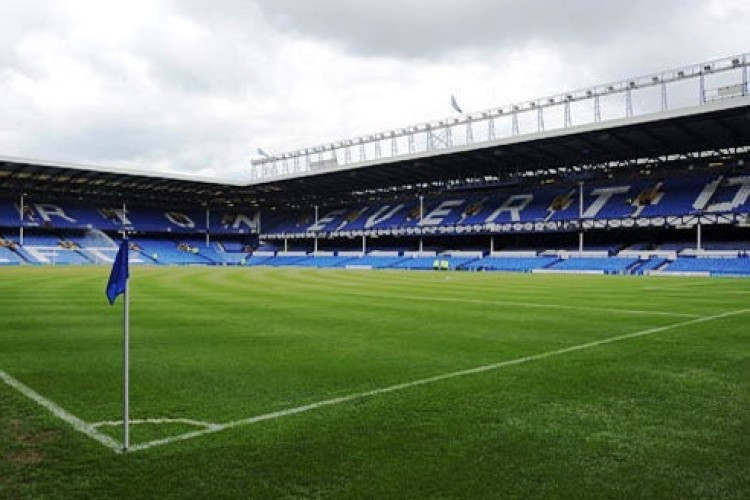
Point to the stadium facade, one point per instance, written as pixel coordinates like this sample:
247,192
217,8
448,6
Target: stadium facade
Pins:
644,175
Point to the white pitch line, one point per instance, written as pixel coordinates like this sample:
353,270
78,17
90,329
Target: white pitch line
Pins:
425,381
64,415
157,421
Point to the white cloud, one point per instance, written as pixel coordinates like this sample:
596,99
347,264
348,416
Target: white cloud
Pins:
197,87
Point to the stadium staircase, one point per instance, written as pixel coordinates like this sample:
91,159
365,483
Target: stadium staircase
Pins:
9,257
643,266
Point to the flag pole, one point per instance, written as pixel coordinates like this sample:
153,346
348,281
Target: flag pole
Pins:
118,284
126,368
126,355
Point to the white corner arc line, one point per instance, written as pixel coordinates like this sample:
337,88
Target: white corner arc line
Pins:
428,380
155,421
64,415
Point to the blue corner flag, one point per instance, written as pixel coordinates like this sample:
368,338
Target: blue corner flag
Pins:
118,278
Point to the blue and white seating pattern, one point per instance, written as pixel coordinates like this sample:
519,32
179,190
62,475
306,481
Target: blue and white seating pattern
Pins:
46,215
455,214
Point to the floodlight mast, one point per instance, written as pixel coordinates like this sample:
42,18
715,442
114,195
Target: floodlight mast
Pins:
483,126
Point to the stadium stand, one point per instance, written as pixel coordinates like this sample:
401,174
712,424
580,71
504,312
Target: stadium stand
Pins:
508,206
473,213
607,265
7,256
517,264
714,266
281,260
329,261
652,264
377,261
169,252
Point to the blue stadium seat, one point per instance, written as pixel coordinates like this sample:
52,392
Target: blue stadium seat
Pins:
609,265
516,264
714,266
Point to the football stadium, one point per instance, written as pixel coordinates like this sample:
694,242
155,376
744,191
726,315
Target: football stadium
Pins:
544,299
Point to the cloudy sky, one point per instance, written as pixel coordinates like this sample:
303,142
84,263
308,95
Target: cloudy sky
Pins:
196,86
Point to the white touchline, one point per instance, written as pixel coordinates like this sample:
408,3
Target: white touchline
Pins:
424,381
75,422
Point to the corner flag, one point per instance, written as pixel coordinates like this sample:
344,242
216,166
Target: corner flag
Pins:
118,284
118,278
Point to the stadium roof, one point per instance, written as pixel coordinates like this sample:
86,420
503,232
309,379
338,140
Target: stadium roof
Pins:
710,127
714,126
74,181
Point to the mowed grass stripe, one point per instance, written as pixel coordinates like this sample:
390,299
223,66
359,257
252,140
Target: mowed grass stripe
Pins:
334,285
506,285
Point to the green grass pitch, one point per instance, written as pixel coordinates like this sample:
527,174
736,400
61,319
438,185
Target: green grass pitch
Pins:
626,387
